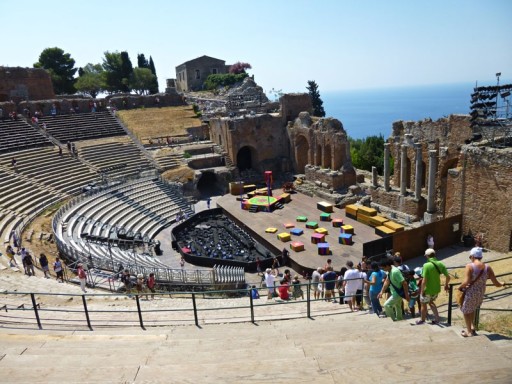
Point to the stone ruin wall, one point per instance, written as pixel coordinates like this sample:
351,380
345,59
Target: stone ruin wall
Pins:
19,84
263,134
320,149
446,136
480,188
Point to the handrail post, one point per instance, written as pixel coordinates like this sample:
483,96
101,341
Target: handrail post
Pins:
252,306
308,297
86,313
477,318
450,297
195,309
140,312
34,305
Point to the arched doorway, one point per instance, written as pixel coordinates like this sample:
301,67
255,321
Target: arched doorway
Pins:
207,184
301,153
244,158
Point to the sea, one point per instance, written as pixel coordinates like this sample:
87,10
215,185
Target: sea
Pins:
371,112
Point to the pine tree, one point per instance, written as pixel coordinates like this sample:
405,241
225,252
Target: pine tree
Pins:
154,86
318,108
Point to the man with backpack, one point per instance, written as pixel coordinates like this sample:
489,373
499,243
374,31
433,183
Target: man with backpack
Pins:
431,285
399,290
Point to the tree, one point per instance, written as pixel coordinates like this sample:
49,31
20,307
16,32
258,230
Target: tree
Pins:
239,67
367,153
60,66
126,71
154,86
91,80
318,108
142,80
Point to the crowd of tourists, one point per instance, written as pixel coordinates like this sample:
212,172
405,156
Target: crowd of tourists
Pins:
389,288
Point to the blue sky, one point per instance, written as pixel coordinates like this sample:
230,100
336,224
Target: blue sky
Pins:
342,45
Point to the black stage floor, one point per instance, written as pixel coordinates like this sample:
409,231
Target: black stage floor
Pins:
302,205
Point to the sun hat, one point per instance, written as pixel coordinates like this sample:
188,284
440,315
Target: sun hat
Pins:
476,252
430,252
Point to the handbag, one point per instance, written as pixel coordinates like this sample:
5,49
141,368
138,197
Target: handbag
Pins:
460,294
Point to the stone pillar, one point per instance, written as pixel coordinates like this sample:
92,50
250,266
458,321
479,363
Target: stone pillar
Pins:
432,166
403,170
386,166
375,179
419,169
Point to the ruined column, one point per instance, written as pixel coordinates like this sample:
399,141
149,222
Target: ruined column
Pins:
386,166
419,169
403,170
432,166
375,178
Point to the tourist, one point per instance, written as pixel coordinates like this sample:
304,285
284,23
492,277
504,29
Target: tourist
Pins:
150,283
431,285
9,251
329,281
399,291
127,281
43,262
297,289
430,241
476,274
29,264
82,276
254,292
315,283
375,281
351,282
284,290
139,284
339,284
57,268
269,282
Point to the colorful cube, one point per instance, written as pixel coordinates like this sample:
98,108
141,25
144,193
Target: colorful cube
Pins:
325,216
323,249
345,239
317,238
302,219
296,231
312,225
284,237
347,229
325,207
271,230
323,231
337,223
297,246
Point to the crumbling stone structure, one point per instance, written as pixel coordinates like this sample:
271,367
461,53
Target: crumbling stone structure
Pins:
422,151
19,84
478,187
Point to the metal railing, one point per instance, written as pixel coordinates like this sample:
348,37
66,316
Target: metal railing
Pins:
487,297
44,315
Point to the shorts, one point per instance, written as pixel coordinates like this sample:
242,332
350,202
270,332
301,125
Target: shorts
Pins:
427,299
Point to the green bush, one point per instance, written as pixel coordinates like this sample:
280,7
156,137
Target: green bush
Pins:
213,82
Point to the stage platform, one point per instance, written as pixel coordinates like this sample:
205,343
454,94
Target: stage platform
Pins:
302,205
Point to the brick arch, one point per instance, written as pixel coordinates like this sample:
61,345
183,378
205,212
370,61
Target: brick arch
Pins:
301,152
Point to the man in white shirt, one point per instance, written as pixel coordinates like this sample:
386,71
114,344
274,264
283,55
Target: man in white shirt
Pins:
269,282
351,282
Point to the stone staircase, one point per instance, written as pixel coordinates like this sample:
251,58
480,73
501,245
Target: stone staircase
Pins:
335,346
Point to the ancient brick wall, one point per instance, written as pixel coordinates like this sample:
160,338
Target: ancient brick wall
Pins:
18,84
479,188
445,136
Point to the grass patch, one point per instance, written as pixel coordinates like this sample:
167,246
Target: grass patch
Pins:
159,122
501,324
